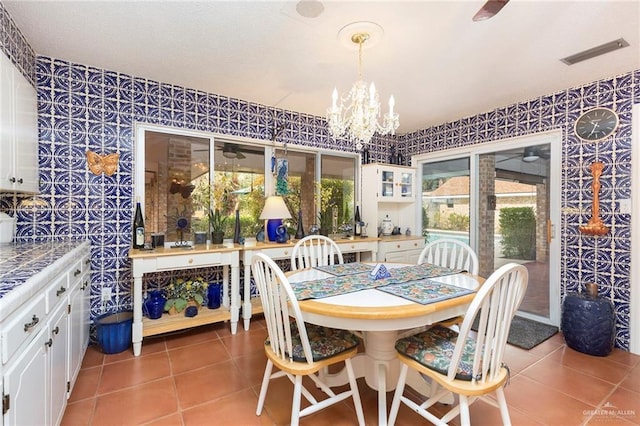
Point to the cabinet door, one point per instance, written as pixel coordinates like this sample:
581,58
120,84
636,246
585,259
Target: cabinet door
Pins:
58,350
26,382
405,185
79,327
387,184
26,135
6,123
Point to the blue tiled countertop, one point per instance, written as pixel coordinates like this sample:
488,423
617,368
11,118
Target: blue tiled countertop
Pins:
26,268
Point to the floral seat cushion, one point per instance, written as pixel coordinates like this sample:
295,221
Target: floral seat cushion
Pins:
433,348
325,342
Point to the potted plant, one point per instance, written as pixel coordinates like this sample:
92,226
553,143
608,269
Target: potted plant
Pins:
180,293
217,222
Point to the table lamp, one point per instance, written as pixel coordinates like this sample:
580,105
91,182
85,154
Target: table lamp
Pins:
273,212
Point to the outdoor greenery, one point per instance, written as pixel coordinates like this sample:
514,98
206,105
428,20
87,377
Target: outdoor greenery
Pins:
245,191
451,221
518,227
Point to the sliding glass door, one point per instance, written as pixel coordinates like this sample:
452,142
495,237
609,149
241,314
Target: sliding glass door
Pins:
503,200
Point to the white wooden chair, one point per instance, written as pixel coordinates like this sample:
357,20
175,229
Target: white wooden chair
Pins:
452,254
468,365
315,250
298,349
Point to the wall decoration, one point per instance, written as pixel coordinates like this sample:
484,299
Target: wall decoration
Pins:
107,164
595,225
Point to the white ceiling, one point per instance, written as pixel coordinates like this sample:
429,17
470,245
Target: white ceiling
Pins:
437,62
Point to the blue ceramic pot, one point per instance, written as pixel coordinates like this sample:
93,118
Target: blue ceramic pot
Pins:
154,305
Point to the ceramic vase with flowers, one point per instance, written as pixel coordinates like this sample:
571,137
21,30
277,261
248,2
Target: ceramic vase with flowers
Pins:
182,293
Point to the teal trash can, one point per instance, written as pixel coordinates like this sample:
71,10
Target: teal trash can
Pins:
114,331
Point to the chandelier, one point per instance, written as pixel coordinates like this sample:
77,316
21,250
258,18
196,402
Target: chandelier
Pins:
356,116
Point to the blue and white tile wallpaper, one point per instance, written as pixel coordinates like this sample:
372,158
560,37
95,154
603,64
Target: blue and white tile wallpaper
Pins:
84,108
605,260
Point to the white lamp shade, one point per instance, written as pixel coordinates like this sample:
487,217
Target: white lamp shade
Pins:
275,208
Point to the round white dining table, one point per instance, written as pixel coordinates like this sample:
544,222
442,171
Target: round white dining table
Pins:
382,318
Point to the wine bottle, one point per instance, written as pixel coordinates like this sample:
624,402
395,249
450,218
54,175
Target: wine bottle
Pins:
357,229
138,228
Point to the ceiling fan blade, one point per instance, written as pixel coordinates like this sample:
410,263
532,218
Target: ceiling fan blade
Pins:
489,9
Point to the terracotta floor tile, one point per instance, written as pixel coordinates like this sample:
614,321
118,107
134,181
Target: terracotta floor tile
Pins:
135,371
92,357
595,366
544,404
86,385
252,366
550,385
632,381
190,337
234,409
585,388
138,404
243,344
171,420
186,358
79,413
208,383
625,403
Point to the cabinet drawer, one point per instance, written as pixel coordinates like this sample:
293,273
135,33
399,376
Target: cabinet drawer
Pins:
57,291
389,246
406,256
278,253
26,323
354,246
188,261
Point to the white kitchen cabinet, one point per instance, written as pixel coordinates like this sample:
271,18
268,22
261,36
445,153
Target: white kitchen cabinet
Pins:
18,130
400,249
78,321
394,183
58,349
26,385
43,342
389,191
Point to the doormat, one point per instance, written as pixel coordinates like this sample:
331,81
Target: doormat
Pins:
526,333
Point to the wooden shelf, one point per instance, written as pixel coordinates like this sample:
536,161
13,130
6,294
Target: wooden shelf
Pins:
178,322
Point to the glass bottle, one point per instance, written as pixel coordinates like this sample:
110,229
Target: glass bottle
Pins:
138,227
357,229
300,229
236,230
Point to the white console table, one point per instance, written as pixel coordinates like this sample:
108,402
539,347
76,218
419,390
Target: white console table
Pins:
169,259
367,246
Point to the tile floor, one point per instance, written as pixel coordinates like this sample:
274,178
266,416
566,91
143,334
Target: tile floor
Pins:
206,376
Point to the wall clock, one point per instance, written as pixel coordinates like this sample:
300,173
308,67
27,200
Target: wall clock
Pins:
596,124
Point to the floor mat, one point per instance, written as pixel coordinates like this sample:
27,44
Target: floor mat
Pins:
526,333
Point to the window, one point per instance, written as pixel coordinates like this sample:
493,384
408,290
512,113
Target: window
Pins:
186,173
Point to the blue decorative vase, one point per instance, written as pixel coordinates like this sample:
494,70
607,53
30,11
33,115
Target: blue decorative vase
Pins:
282,236
213,296
154,305
272,228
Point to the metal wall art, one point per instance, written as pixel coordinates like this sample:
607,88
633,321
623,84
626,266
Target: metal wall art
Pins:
107,164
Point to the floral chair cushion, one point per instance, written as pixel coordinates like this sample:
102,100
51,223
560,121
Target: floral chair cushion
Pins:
325,342
433,348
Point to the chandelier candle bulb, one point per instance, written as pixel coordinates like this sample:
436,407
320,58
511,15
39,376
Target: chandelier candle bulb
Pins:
392,103
334,96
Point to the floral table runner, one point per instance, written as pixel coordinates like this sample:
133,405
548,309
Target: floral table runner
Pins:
333,286
342,269
425,291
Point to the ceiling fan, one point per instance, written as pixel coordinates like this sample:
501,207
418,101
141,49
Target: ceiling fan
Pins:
232,150
489,9
530,154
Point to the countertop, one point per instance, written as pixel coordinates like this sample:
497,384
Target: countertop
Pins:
25,268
